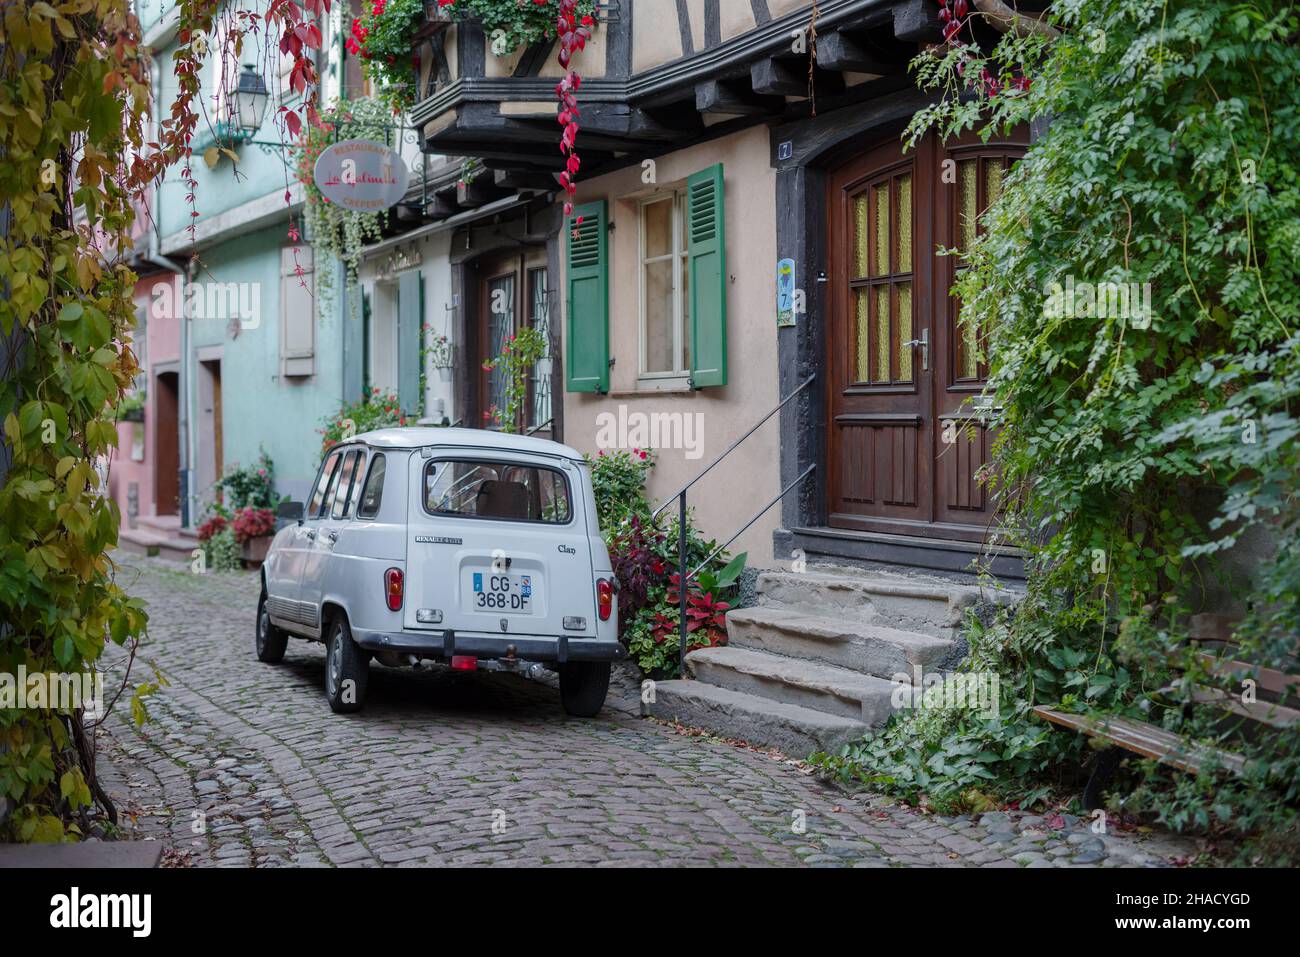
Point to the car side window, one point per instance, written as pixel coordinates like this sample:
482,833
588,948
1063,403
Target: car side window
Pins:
346,478
358,482
373,493
322,483
329,495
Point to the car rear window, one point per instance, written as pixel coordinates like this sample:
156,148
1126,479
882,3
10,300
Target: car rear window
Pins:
508,491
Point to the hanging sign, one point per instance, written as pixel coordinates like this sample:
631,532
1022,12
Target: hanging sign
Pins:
361,175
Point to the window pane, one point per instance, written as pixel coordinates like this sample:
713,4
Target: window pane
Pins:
501,326
968,201
904,254
340,509
498,490
659,316
374,493
658,217
322,483
358,481
967,348
541,321
862,338
881,236
329,495
686,313
860,235
992,181
882,332
904,331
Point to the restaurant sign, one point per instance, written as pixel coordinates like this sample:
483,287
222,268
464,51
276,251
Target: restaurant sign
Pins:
361,175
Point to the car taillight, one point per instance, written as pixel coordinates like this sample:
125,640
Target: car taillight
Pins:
393,583
604,598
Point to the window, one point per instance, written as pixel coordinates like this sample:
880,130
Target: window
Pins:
881,264
539,318
322,483
346,473
374,490
517,493
665,287
328,503
358,480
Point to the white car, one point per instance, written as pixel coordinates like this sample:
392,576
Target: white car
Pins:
464,547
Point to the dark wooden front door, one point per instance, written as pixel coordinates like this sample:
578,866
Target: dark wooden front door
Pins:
905,446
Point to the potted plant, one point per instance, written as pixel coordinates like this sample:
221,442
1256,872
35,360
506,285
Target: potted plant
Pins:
442,356
131,408
254,528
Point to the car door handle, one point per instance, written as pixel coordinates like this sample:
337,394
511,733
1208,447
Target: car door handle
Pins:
330,536
311,534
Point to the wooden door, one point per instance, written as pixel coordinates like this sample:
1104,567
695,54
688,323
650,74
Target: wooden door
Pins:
905,447
880,423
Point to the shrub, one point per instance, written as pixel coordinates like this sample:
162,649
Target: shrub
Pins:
252,523
618,479
222,552
378,410
214,525
252,486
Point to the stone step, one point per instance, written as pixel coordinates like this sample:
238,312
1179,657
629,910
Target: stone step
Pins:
808,684
927,605
758,721
869,649
142,541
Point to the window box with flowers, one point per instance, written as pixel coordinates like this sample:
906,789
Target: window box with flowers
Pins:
442,356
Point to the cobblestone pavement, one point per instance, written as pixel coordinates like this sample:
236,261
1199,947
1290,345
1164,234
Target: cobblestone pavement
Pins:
244,764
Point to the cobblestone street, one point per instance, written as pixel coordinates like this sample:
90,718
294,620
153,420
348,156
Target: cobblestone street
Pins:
244,764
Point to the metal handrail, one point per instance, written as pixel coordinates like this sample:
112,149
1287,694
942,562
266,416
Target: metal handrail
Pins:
684,578
777,408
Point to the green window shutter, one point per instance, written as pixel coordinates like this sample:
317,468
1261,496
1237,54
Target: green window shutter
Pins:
706,246
410,293
586,366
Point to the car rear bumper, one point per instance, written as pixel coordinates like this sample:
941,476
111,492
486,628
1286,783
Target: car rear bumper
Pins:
445,644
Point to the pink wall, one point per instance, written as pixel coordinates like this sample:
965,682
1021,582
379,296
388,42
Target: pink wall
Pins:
161,339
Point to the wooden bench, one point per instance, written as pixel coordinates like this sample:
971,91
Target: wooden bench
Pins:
1215,633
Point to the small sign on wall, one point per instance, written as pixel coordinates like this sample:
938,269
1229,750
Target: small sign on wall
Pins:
361,175
786,294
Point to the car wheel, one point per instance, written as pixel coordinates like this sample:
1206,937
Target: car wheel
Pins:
270,641
347,669
583,686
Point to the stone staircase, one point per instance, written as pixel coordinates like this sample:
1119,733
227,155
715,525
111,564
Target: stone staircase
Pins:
160,535
810,667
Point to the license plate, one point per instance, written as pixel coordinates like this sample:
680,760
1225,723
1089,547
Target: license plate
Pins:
497,592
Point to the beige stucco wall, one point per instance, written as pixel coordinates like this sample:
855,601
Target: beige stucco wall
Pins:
726,498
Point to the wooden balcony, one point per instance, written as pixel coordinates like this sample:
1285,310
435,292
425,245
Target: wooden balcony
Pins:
658,73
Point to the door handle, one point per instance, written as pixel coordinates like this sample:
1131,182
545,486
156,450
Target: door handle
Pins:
330,536
924,343
311,534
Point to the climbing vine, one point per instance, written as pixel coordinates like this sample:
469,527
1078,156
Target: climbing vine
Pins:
78,151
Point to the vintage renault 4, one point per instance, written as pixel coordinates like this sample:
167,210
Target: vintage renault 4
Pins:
461,547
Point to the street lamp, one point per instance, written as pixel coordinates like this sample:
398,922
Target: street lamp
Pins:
250,101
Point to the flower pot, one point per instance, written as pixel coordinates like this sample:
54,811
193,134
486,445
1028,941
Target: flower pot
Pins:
255,549
444,373
133,415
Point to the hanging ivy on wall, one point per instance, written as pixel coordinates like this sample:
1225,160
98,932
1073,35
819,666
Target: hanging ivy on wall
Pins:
331,228
78,151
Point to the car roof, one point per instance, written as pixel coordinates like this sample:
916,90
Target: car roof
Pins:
419,436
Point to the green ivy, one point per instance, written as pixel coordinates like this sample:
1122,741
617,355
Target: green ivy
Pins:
1132,455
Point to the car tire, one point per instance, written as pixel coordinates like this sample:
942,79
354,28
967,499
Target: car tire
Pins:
345,662
583,686
268,640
